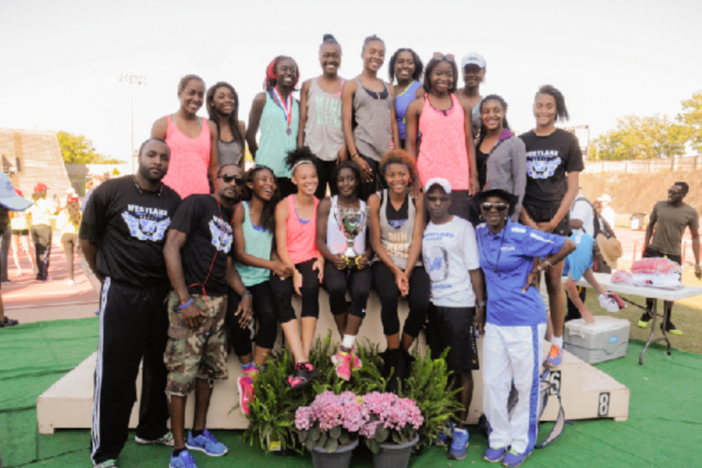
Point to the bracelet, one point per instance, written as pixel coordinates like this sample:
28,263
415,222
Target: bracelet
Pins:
354,155
547,263
246,292
190,301
481,303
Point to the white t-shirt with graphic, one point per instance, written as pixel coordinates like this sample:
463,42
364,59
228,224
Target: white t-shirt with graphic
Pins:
450,251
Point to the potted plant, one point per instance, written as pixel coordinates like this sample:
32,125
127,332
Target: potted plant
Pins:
392,429
329,427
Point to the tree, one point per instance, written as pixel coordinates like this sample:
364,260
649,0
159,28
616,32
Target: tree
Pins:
76,149
642,138
691,118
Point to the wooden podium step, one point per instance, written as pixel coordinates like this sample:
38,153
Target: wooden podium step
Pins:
586,392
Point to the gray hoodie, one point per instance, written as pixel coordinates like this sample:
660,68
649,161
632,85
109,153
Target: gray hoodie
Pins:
507,165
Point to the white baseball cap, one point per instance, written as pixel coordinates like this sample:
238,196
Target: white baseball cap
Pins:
606,198
473,58
443,183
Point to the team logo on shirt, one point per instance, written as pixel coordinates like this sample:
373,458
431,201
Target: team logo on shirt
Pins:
542,164
436,263
221,234
146,224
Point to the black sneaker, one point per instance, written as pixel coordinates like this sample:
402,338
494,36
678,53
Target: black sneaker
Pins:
8,322
303,374
671,329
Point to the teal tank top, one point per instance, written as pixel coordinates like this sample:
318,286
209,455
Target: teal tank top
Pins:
275,142
259,243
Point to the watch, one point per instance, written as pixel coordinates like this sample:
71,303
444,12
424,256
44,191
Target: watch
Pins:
481,304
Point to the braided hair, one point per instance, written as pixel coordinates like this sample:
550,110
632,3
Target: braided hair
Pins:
233,117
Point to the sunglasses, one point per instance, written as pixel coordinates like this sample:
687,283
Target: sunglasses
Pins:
228,178
498,206
674,192
440,56
434,199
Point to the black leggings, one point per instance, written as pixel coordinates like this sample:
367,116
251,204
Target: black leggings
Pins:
358,282
286,187
283,291
264,311
418,299
378,181
324,175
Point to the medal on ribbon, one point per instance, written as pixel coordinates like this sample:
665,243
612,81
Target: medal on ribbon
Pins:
286,107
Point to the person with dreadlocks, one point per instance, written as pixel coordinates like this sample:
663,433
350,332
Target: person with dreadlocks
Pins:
320,114
368,115
198,254
223,108
192,141
406,65
277,114
499,153
554,162
254,226
295,235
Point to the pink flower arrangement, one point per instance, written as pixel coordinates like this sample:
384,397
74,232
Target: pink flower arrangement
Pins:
329,410
392,411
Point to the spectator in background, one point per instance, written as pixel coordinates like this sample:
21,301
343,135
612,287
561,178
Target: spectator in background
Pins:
20,237
607,212
70,215
672,217
4,250
87,271
9,201
40,229
582,219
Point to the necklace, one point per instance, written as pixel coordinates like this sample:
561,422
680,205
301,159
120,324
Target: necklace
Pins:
286,106
141,192
499,252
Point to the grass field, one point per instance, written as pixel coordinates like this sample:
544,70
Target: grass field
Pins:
687,314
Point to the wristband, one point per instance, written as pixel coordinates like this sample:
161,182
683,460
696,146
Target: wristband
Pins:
246,292
190,301
354,155
481,303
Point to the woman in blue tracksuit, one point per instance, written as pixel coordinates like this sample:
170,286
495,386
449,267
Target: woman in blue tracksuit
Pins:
515,324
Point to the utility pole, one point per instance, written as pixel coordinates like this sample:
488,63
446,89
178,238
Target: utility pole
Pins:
132,80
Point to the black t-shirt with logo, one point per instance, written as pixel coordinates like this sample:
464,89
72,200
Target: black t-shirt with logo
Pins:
204,255
549,160
129,226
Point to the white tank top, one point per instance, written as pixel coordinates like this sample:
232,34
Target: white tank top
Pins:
336,240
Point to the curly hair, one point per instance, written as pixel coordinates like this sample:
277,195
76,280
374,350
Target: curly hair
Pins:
333,184
298,155
397,156
418,65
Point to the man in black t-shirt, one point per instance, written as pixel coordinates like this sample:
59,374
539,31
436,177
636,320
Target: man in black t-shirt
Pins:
122,236
198,255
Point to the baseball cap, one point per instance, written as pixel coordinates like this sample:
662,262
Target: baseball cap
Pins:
605,197
473,58
9,198
443,183
40,187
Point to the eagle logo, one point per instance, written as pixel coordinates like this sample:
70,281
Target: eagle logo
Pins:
221,235
540,169
146,229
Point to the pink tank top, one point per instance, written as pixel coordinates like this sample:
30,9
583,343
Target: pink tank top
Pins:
443,150
301,237
190,160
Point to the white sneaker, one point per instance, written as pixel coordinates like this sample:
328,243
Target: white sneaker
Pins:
70,282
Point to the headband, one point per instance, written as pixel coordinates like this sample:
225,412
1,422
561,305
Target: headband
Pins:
300,163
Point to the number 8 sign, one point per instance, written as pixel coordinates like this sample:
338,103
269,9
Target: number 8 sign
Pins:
603,405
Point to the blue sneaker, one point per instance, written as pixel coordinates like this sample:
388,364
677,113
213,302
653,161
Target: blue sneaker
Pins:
495,454
555,356
206,443
459,445
184,460
443,439
512,459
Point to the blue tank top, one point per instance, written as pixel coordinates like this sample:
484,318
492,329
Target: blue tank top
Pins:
402,102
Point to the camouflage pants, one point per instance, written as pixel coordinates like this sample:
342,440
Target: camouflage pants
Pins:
200,353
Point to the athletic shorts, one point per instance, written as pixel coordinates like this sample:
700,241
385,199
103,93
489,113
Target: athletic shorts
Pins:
652,253
20,232
544,214
200,353
453,327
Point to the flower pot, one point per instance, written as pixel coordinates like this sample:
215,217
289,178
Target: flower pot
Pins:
340,458
393,455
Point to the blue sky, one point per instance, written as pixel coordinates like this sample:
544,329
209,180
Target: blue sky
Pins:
62,59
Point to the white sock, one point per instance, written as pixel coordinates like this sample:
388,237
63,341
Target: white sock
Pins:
462,431
557,340
349,341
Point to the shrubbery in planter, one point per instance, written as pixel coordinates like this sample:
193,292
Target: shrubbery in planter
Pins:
392,419
331,421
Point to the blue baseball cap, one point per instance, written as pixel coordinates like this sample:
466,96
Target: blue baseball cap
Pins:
9,198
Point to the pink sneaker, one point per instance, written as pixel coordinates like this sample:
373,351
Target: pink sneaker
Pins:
345,363
246,394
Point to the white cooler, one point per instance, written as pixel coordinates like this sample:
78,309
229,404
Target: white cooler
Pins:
604,340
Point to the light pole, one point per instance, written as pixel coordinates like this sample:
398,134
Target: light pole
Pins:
132,80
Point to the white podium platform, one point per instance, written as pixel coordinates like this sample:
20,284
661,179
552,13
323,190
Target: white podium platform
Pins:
586,392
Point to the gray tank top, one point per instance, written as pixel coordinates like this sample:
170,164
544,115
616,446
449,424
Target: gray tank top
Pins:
476,120
324,134
396,236
229,153
373,115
